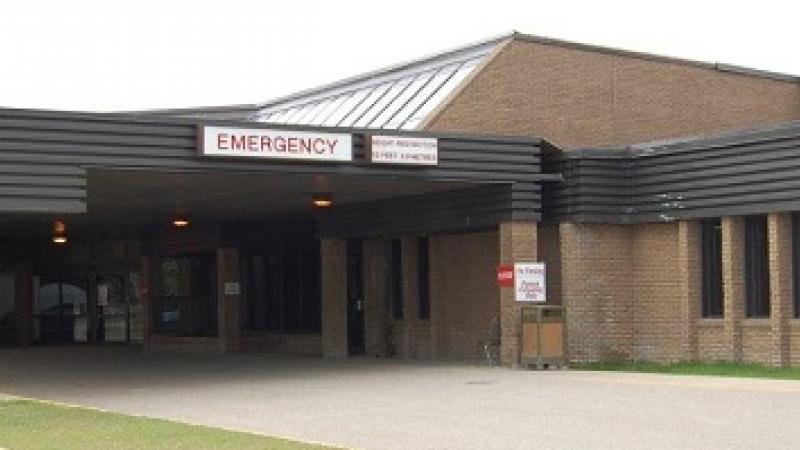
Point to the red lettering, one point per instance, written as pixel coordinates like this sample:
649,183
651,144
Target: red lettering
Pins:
332,144
318,142
280,144
292,145
265,143
222,141
305,145
252,143
238,143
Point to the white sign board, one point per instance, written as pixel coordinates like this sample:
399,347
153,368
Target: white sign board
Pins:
275,144
529,282
232,288
404,150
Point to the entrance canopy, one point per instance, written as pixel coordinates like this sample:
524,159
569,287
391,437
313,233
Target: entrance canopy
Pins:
106,168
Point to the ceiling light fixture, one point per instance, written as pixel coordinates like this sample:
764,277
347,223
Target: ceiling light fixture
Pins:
180,222
59,232
322,200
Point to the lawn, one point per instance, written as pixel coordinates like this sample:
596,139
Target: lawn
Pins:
724,369
33,425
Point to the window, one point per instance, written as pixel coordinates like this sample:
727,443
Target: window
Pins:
281,292
424,280
397,280
711,266
796,262
756,266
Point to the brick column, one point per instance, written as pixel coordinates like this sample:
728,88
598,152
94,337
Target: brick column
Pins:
517,242
689,271
733,283
23,298
333,254
409,249
228,273
377,282
780,280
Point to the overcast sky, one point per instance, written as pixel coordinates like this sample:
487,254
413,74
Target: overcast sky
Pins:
125,55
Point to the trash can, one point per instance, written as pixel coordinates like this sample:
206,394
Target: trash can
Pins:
543,336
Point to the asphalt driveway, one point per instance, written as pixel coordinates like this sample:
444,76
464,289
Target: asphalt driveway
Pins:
379,404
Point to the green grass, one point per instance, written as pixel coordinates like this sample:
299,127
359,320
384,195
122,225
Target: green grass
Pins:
33,425
724,369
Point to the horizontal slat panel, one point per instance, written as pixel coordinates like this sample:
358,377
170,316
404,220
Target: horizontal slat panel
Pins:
45,156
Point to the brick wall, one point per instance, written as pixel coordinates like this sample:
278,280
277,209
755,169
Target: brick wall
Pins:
756,341
657,328
549,248
579,98
465,305
596,291
711,341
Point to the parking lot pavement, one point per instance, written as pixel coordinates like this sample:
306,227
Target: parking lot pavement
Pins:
380,404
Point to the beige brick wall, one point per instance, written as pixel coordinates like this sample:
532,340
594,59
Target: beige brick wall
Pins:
465,303
756,341
333,254
596,291
549,248
579,98
711,344
658,331
794,343
464,298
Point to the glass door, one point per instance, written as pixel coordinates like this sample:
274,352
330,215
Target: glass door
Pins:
112,309
61,313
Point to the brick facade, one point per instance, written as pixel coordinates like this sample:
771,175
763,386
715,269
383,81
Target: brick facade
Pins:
633,291
575,97
333,255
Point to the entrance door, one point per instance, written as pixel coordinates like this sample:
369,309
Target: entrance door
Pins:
8,318
61,310
355,297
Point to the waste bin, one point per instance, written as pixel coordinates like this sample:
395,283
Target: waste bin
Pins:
543,336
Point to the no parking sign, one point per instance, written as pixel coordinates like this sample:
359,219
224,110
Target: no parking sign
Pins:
529,282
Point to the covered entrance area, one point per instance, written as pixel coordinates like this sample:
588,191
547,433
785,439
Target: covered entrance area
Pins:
191,261
178,234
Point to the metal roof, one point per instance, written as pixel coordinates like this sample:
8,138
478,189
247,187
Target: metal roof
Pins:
399,97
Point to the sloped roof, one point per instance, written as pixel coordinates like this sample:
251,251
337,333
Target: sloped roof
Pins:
398,97
402,96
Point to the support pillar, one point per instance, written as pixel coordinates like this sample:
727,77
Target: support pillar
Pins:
409,249
779,228
517,243
733,284
23,297
229,293
689,270
333,254
377,291
146,297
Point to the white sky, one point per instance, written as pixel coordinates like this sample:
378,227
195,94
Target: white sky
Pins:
125,55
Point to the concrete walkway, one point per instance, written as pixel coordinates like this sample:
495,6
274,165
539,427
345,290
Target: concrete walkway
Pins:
376,404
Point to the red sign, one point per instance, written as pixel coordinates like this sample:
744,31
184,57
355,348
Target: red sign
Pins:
505,276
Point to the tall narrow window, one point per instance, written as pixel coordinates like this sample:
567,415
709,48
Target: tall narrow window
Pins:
424,280
796,262
397,280
711,260
756,266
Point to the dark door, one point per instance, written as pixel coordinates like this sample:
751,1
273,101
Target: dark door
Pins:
61,312
355,297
